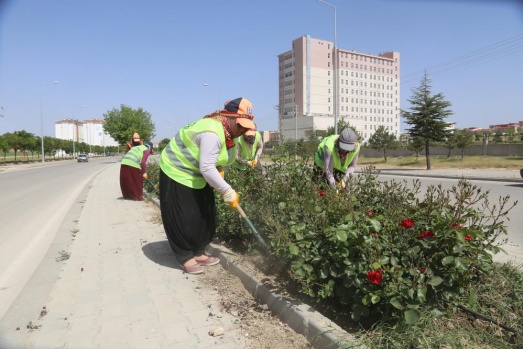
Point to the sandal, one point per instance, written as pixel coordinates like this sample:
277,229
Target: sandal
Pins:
193,269
208,261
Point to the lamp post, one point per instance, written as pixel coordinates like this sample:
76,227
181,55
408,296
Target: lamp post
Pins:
334,62
219,97
42,118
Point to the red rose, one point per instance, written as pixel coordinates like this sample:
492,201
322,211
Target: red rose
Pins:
426,234
251,185
407,223
422,270
375,276
468,237
321,192
457,226
370,213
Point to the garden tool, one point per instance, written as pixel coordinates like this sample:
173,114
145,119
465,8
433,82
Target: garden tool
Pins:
253,229
151,183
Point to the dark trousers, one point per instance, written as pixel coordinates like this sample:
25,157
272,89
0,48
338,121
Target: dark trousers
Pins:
188,216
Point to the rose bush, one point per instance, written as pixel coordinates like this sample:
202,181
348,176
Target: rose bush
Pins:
380,249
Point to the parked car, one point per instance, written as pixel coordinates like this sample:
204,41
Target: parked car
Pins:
83,158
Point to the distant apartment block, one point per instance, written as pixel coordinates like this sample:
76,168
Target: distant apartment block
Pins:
87,131
368,89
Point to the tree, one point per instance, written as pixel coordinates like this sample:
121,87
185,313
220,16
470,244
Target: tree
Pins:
342,124
463,139
122,123
416,145
450,143
383,140
4,147
426,116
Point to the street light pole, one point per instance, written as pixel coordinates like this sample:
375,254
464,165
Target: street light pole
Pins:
42,118
335,63
219,98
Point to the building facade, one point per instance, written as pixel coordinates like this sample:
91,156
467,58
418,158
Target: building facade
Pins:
88,131
319,83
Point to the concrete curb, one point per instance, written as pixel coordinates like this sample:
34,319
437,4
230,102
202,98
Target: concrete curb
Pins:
319,330
448,176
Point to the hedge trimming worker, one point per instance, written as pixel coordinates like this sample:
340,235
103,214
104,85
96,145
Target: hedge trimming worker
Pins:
337,157
133,170
249,149
190,168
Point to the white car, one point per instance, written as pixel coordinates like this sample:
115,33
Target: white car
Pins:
83,158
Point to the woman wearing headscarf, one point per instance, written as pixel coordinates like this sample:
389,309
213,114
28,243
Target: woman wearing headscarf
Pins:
249,148
133,170
190,172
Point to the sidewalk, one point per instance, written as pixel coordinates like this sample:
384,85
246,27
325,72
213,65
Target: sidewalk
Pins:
120,288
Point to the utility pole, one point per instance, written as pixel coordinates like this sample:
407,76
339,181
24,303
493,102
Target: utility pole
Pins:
296,130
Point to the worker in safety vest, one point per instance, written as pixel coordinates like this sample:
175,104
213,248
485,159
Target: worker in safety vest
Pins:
336,158
133,171
190,172
249,148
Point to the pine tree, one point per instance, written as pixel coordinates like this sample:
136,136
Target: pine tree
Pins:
426,116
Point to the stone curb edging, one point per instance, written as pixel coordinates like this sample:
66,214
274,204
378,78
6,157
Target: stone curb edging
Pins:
319,331
491,179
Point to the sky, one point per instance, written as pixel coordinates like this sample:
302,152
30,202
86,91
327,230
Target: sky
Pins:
158,54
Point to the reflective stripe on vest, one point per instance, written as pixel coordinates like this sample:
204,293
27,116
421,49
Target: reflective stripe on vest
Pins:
134,156
180,160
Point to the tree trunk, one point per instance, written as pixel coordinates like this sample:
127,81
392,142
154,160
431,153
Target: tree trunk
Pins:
427,153
462,153
385,154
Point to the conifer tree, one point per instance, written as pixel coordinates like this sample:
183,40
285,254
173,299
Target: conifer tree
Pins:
426,116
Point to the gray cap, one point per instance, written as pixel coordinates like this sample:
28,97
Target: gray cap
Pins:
347,139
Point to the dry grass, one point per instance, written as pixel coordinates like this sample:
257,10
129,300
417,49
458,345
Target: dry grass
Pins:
511,163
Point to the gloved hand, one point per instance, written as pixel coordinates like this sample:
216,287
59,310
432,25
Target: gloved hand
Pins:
220,171
341,185
253,163
145,176
231,197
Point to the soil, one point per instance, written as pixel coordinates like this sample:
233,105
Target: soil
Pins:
263,329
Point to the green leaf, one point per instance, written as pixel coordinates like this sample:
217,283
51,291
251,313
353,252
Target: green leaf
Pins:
296,265
341,235
396,303
447,260
411,316
394,261
435,281
308,267
375,298
376,225
293,249
472,297
376,265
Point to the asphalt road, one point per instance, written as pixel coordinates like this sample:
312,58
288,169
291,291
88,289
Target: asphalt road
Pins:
36,198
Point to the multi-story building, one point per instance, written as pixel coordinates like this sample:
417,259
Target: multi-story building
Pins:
319,83
87,131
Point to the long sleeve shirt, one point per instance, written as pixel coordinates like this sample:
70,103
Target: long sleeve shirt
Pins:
329,167
245,162
210,147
